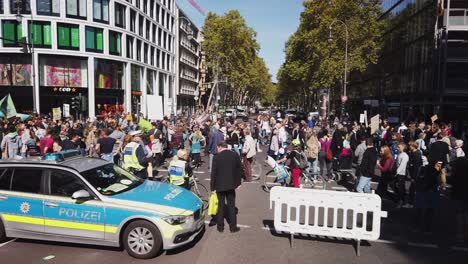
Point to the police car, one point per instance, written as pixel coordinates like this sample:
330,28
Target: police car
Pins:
70,198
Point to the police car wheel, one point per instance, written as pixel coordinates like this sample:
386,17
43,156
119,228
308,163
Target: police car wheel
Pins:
2,232
142,240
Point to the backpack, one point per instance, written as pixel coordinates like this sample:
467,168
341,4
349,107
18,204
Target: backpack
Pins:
312,152
302,162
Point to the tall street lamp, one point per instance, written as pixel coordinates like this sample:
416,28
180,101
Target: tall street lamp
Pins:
330,40
19,18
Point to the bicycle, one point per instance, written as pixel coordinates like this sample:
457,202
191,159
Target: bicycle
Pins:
307,181
195,186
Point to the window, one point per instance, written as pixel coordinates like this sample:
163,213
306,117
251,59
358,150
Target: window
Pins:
145,6
151,9
5,179
163,60
25,7
101,10
129,47
165,40
149,82
63,183
114,43
138,48
145,53
137,3
153,37
162,79
40,33
132,20
152,56
12,33
168,65
48,7
68,36
1,7
119,15
158,56
76,9
159,36
170,43
94,39
26,180
148,30
141,21
158,10
163,16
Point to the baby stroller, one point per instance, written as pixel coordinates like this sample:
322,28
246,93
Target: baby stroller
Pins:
343,166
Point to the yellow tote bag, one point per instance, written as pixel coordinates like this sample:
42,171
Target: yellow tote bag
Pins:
213,205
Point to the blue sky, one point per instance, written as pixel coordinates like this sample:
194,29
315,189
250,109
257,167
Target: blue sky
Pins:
273,20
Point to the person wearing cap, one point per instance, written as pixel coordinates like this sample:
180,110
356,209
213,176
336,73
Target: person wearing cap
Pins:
134,157
180,169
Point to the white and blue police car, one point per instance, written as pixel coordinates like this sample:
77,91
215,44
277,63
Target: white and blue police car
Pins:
70,198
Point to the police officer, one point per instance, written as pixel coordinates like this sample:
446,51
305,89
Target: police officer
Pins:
180,170
134,156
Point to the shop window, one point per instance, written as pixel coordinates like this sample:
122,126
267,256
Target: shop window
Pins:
138,49
63,72
108,74
76,9
129,47
149,82
135,78
101,11
68,36
40,34
132,20
15,70
24,7
115,43
48,7
94,39
12,33
119,15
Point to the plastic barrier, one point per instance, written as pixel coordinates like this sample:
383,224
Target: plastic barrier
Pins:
327,213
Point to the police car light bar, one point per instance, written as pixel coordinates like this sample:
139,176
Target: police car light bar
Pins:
62,155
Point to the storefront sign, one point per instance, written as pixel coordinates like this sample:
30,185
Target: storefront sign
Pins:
64,89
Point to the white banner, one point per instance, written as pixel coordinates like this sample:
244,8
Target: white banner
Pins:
155,107
66,110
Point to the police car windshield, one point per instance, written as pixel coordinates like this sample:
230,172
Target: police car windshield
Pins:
111,179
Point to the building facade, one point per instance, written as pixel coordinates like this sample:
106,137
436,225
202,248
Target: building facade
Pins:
423,67
188,64
118,54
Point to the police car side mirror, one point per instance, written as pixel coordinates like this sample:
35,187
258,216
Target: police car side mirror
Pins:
81,195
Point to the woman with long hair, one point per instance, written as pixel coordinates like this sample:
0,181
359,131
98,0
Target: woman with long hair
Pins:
196,138
385,166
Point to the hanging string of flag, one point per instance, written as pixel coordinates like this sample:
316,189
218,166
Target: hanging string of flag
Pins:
197,7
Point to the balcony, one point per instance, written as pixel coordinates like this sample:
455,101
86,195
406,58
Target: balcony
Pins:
458,19
189,63
187,45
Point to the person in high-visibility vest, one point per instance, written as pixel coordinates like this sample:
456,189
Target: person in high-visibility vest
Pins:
180,170
134,157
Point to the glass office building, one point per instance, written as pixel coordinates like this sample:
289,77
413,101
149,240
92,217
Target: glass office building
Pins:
423,66
116,53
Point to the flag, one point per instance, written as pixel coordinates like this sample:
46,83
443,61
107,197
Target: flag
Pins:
7,106
145,125
196,6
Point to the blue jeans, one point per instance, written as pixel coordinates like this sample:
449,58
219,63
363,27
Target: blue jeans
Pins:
211,161
364,185
236,149
312,165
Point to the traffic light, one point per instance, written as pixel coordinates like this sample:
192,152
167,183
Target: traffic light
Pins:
24,45
76,103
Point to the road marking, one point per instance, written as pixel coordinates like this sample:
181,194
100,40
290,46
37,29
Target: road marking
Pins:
241,226
8,242
207,179
460,248
385,241
422,245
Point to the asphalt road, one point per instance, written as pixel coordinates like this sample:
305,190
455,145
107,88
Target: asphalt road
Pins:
258,243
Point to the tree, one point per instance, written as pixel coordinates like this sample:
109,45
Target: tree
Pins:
232,53
313,63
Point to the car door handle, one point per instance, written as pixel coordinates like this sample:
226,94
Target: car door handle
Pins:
51,204
3,197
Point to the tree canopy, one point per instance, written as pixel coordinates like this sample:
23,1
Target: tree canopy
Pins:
231,52
313,63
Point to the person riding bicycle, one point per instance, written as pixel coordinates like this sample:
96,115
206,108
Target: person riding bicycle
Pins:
180,170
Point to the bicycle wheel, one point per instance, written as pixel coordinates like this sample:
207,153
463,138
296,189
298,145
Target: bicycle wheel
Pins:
269,181
200,190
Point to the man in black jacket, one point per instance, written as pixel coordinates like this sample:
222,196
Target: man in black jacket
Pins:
226,175
367,168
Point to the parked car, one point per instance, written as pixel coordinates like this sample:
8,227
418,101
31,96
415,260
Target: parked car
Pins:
291,113
230,113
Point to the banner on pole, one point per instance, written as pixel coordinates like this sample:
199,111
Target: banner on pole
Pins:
375,121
